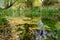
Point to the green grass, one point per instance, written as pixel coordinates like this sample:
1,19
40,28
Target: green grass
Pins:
42,12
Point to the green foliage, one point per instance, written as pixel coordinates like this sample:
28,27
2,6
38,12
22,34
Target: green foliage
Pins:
1,9
3,23
57,25
49,22
12,13
32,13
43,12
48,16
4,26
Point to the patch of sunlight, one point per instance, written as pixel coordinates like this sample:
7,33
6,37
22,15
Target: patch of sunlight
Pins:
37,3
57,25
18,5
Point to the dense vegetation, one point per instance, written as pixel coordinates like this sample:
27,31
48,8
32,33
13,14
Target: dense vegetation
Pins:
31,14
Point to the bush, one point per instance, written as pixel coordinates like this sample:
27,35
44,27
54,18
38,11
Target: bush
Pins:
4,26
